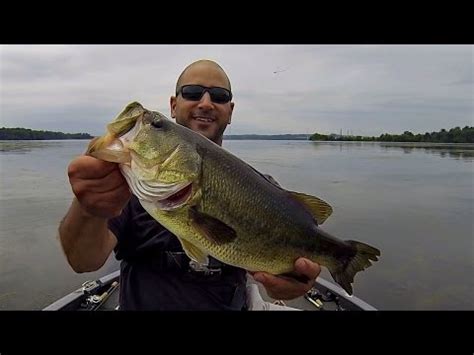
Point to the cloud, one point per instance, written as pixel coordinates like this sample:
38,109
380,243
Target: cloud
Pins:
365,89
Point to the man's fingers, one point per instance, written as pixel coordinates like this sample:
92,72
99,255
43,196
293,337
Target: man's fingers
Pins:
307,268
109,182
291,286
86,167
279,287
108,204
88,188
266,279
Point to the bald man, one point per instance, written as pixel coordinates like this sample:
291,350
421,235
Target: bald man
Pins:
155,273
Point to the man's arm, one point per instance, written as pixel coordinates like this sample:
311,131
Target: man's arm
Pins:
85,239
101,193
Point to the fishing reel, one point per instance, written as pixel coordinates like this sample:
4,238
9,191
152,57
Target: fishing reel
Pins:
324,301
94,301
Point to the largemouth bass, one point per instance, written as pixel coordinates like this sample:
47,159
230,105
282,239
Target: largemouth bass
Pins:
218,205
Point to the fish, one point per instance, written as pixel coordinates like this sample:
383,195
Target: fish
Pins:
218,205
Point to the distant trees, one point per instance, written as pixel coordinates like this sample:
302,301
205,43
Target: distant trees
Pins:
454,135
301,136
29,134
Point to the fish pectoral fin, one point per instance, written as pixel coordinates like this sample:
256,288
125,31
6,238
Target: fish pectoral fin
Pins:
320,209
213,229
193,252
109,149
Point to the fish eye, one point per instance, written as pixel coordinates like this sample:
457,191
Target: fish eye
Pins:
157,122
153,119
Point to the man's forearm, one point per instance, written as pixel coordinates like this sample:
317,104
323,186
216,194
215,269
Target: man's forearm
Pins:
85,239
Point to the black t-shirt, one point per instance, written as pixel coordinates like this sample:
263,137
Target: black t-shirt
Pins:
141,240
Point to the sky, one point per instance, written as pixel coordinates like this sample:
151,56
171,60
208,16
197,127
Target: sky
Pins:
357,89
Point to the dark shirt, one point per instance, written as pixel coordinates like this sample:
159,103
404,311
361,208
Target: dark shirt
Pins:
146,285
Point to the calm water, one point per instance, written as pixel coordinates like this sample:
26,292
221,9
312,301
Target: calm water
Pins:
414,203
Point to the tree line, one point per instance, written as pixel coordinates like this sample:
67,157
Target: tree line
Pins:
30,134
301,136
454,135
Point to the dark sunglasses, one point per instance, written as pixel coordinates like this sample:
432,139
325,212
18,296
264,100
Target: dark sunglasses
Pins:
195,92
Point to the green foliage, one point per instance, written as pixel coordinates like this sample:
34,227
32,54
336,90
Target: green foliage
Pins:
29,134
454,135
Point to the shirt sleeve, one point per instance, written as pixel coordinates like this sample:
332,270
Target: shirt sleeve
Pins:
119,226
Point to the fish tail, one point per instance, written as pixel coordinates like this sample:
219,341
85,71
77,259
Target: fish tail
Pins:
345,268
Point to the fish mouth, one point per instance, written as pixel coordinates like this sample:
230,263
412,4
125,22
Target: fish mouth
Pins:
177,199
167,196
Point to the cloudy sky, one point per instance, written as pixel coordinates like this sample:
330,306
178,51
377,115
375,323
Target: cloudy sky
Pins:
364,90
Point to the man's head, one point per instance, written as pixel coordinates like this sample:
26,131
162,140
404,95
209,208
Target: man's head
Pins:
209,113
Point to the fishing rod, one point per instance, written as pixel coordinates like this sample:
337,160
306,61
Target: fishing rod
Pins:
94,302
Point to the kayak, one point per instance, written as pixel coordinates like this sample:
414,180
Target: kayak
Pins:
103,295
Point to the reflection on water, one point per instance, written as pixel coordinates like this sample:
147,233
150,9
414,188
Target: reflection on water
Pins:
444,150
25,146
464,151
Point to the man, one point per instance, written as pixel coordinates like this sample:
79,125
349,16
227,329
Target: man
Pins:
155,272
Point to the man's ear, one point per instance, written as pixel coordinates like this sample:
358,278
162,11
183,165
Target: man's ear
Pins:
231,110
173,106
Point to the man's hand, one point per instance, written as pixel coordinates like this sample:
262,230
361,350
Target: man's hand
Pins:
99,186
286,288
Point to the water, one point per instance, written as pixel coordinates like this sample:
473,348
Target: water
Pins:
34,197
413,202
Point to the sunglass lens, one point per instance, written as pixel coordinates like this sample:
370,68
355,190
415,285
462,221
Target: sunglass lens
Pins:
192,92
219,95
195,92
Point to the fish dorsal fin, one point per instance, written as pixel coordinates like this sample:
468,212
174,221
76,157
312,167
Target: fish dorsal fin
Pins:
320,209
213,229
194,253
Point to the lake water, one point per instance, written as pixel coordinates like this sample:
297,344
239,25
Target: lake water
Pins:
415,203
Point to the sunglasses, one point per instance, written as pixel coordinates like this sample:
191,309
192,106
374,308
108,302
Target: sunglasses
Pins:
195,93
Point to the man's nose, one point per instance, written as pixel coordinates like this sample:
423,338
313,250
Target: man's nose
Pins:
206,102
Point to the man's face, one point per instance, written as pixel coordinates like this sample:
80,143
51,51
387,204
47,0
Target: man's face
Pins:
204,116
